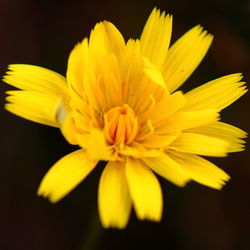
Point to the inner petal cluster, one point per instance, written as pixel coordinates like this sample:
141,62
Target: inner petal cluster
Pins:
120,125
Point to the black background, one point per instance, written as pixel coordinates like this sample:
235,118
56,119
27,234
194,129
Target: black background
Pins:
43,33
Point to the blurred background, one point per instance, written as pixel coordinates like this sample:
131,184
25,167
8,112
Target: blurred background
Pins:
43,32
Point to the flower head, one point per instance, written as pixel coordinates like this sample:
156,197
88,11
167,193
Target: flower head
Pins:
119,104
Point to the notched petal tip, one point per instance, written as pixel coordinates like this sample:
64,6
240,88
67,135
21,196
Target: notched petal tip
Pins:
50,198
219,183
218,93
114,201
65,175
200,170
32,105
156,35
145,191
185,55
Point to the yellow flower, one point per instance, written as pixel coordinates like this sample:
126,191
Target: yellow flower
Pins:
119,103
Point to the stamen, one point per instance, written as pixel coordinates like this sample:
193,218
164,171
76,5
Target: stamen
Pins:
120,125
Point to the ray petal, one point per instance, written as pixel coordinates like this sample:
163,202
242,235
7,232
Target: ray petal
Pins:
218,93
95,143
35,78
35,106
65,175
184,56
145,191
233,135
156,36
200,170
187,120
113,196
200,144
168,169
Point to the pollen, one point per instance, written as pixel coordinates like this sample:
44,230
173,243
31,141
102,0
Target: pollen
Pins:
120,125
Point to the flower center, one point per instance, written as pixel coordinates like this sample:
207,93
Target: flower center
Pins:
120,125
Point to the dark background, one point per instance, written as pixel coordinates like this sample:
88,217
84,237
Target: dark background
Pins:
195,217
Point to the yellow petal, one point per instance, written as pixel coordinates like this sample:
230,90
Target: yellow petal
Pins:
136,150
184,56
168,168
153,73
200,144
104,38
77,61
113,196
115,38
110,83
81,77
94,69
187,120
145,191
82,120
98,40
223,129
218,93
95,143
131,62
106,47
34,78
158,141
35,106
200,170
65,175
226,132
131,70
167,107
66,123
156,36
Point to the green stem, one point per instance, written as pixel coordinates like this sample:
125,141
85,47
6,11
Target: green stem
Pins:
93,236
